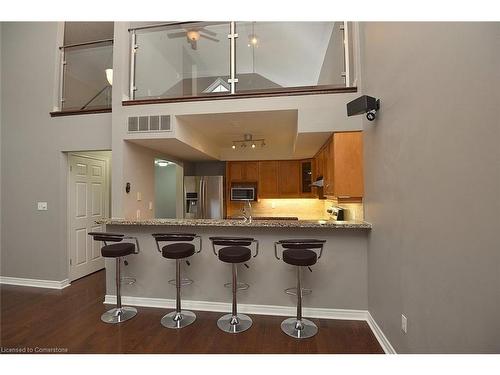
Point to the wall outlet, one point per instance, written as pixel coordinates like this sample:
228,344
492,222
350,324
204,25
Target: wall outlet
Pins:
150,205
138,214
42,206
404,323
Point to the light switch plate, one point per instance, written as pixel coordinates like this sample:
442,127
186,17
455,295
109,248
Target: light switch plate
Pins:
150,205
139,196
42,206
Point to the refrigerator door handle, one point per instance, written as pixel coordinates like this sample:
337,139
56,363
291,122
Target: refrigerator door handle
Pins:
201,201
205,197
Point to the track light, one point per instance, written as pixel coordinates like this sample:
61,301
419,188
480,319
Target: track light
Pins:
248,140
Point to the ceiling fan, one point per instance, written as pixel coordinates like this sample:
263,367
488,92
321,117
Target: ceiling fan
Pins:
193,34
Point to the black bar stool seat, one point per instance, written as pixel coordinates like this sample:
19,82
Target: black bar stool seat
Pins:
177,250
300,257
118,250
235,254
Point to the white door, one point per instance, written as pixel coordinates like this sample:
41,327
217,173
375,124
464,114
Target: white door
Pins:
88,201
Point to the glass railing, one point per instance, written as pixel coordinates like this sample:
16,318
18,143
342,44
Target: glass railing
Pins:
273,55
222,58
86,76
182,60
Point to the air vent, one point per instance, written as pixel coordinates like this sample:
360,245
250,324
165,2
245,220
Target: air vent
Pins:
143,123
157,123
165,123
154,123
133,124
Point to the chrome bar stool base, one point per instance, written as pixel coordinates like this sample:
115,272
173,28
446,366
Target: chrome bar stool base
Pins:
119,315
234,324
300,329
176,320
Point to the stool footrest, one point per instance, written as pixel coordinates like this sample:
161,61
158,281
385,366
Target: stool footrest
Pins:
184,282
239,286
293,291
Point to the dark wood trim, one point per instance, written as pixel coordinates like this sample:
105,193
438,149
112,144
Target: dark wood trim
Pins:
292,91
77,112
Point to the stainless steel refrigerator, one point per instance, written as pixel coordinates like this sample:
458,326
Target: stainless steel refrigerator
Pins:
203,197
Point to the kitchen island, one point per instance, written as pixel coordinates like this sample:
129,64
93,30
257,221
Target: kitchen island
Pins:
338,280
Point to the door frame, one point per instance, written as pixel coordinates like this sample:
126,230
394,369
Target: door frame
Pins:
107,206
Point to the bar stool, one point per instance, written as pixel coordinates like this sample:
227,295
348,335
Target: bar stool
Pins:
117,250
234,250
180,250
299,253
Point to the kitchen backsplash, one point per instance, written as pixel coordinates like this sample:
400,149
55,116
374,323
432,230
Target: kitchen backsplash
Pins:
303,208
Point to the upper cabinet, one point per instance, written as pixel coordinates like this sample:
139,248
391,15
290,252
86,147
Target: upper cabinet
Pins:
289,178
340,162
243,171
274,178
268,179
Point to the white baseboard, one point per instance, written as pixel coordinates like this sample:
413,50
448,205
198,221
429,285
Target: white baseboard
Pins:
379,334
242,307
49,284
319,313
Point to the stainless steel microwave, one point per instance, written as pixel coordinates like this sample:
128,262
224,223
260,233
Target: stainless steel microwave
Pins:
242,194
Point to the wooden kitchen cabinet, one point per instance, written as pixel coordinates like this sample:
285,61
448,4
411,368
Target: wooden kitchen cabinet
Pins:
274,178
340,162
348,164
243,171
268,179
289,175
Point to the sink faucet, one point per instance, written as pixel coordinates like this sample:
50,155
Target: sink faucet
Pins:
247,212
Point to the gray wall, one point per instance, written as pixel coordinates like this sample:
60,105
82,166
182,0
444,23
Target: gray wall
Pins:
166,191
33,163
432,165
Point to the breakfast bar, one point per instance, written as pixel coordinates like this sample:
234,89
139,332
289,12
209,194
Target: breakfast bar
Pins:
338,280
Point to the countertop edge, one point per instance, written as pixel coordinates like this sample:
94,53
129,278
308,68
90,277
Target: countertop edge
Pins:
239,223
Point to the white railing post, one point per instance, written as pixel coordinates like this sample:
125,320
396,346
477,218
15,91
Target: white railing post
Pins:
133,51
232,39
347,61
61,78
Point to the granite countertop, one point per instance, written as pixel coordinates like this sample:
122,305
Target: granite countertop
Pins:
240,223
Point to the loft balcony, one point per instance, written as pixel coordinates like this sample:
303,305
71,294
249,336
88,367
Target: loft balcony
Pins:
191,61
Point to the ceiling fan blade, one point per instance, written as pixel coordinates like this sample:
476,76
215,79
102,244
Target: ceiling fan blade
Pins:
206,31
209,37
177,35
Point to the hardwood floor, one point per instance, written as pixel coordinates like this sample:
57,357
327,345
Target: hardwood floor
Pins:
70,319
